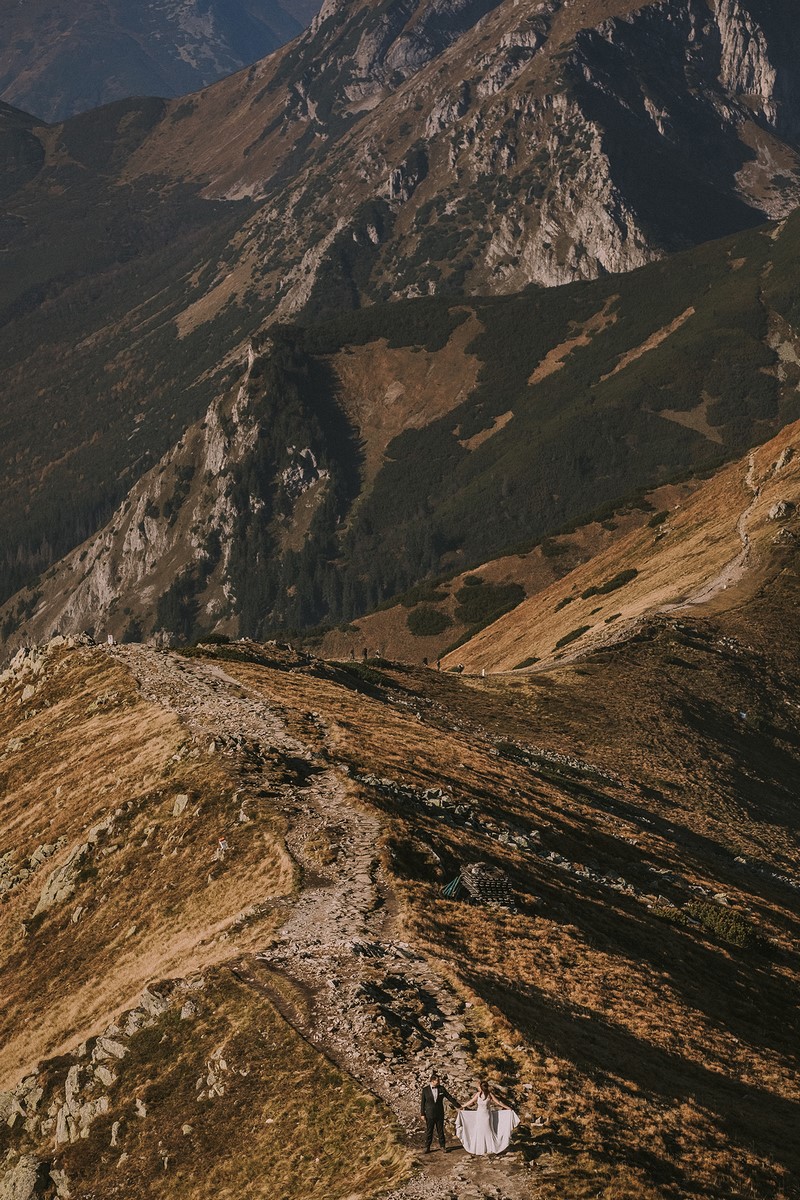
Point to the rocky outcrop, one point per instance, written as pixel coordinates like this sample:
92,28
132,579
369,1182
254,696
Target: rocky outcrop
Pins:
63,881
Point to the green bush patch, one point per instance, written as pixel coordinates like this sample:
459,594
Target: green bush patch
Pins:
425,621
716,919
611,585
572,636
481,605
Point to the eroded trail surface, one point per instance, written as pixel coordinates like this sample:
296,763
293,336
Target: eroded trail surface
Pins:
377,1006
733,571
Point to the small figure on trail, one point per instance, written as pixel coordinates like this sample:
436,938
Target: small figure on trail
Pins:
365,656
352,654
111,639
431,1110
425,661
438,664
222,848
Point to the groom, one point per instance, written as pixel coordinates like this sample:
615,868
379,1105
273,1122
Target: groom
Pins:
431,1109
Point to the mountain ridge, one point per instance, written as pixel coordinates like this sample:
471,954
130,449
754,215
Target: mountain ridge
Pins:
415,440
61,59
346,171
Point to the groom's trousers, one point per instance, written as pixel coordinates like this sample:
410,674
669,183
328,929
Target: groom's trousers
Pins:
434,1120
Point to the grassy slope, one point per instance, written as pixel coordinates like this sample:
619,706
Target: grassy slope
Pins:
693,554
289,1123
661,1055
84,746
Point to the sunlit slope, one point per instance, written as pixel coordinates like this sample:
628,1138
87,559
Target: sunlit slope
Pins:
726,540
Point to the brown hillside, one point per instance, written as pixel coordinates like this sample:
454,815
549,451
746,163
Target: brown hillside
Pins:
710,550
638,1000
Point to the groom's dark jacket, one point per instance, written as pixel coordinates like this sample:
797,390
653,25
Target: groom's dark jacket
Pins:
435,1108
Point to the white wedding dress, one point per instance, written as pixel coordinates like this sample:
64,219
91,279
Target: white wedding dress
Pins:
486,1131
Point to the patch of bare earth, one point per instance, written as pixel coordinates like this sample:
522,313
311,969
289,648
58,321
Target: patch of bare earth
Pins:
556,358
652,343
386,391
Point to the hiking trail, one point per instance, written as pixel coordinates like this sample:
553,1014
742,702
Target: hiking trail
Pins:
341,940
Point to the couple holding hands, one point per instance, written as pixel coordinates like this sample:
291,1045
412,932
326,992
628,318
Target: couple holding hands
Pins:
487,1129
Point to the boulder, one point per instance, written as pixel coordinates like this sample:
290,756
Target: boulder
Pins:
24,1180
782,510
180,804
61,882
106,1048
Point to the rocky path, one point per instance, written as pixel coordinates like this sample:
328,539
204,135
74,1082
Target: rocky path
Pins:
377,1007
733,571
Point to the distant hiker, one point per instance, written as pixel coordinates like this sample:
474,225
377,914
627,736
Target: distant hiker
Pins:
425,661
438,664
111,639
431,1110
365,656
352,654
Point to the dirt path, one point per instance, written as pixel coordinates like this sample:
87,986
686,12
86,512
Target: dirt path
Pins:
733,571
375,1005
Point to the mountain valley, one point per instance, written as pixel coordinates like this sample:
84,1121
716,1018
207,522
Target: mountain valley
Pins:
399,655
391,151
59,59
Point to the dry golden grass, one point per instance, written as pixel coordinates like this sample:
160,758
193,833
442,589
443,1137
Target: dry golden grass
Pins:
688,552
386,391
285,1126
663,1059
153,901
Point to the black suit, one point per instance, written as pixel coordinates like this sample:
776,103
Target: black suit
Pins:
433,1112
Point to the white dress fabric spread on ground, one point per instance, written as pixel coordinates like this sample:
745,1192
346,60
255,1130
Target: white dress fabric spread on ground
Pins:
486,1131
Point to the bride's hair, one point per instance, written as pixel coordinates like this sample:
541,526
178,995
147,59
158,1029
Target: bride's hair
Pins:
484,1087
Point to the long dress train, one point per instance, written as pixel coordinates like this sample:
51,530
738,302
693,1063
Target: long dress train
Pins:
486,1131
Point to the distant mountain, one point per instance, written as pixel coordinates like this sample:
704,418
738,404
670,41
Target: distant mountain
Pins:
467,147
413,440
62,58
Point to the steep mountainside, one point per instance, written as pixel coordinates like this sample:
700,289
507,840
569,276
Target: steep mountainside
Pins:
58,59
394,149
415,440
726,541
705,543
201,1017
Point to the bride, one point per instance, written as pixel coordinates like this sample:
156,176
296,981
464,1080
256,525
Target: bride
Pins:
487,1130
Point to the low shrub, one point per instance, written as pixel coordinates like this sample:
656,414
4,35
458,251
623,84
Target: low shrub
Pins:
658,519
716,919
427,622
611,585
480,605
572,636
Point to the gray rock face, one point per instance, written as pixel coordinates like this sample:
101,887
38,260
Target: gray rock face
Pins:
783,510
63,881
22,1181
